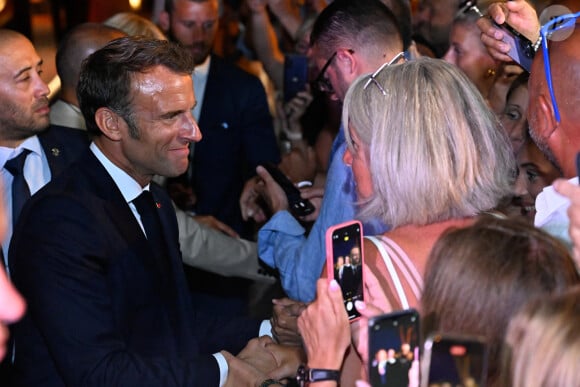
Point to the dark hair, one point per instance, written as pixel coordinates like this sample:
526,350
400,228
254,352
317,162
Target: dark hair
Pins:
106,75
521,80
478,277
355,24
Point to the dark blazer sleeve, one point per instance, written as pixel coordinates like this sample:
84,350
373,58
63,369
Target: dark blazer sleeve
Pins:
96,315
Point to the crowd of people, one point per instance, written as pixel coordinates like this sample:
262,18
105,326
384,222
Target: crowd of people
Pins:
140,233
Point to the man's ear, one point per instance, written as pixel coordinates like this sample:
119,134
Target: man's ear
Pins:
346,60
110,123
164,21
546,124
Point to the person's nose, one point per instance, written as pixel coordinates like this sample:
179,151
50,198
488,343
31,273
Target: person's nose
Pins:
41,89
520,186
449,57
198,34
189,129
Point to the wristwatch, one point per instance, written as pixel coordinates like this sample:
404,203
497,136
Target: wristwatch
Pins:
304,376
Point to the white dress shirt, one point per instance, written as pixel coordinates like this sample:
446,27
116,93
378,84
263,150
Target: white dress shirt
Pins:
36,173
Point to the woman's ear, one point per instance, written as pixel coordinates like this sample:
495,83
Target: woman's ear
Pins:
110,123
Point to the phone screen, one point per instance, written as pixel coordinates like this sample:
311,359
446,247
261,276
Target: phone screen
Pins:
346,263
455,361
394,349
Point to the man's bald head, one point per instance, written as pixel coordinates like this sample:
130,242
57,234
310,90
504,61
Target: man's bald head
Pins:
7,36
559,141
78,44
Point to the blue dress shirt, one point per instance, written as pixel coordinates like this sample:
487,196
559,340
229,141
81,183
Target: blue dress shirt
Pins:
282,242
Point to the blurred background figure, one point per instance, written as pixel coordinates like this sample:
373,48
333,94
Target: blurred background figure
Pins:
543,343
133,24
432,21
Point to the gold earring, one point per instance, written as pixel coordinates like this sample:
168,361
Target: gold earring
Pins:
490,73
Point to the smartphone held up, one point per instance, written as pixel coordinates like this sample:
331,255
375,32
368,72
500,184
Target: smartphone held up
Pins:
454,360
394,349
344,262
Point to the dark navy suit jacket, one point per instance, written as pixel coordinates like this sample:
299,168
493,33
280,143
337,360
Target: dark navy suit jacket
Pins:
237,134
62,146
99,311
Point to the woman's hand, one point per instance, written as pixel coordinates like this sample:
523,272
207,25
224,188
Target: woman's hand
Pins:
325,328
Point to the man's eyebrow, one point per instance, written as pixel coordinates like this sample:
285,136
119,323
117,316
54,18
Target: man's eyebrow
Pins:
25,69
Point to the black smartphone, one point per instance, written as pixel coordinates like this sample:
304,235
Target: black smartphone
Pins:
344,262
455,360
394,349
295,75
297,205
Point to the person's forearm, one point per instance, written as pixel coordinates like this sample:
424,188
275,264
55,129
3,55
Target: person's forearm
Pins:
266,46
288,15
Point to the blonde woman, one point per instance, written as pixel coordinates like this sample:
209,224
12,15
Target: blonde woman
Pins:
427,154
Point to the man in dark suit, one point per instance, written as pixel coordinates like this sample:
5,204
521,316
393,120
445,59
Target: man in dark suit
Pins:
238,134
108,303
23,133
24,120
232,112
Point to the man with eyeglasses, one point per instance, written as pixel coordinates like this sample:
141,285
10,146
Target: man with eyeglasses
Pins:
349,38
553,118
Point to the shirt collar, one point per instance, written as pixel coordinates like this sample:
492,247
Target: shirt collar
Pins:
31,143
128,186
202,69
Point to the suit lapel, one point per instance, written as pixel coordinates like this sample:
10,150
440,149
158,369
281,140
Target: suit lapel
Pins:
116,208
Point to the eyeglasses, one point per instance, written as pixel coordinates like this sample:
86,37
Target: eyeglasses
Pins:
556,24
321,82
372,77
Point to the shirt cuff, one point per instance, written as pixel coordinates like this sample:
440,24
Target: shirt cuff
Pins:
266,329
223,366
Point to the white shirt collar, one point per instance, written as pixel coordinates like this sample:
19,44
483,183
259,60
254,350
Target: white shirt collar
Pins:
31,143
203,69
128,186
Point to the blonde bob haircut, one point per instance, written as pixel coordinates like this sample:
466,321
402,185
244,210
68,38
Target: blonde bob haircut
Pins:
434,148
